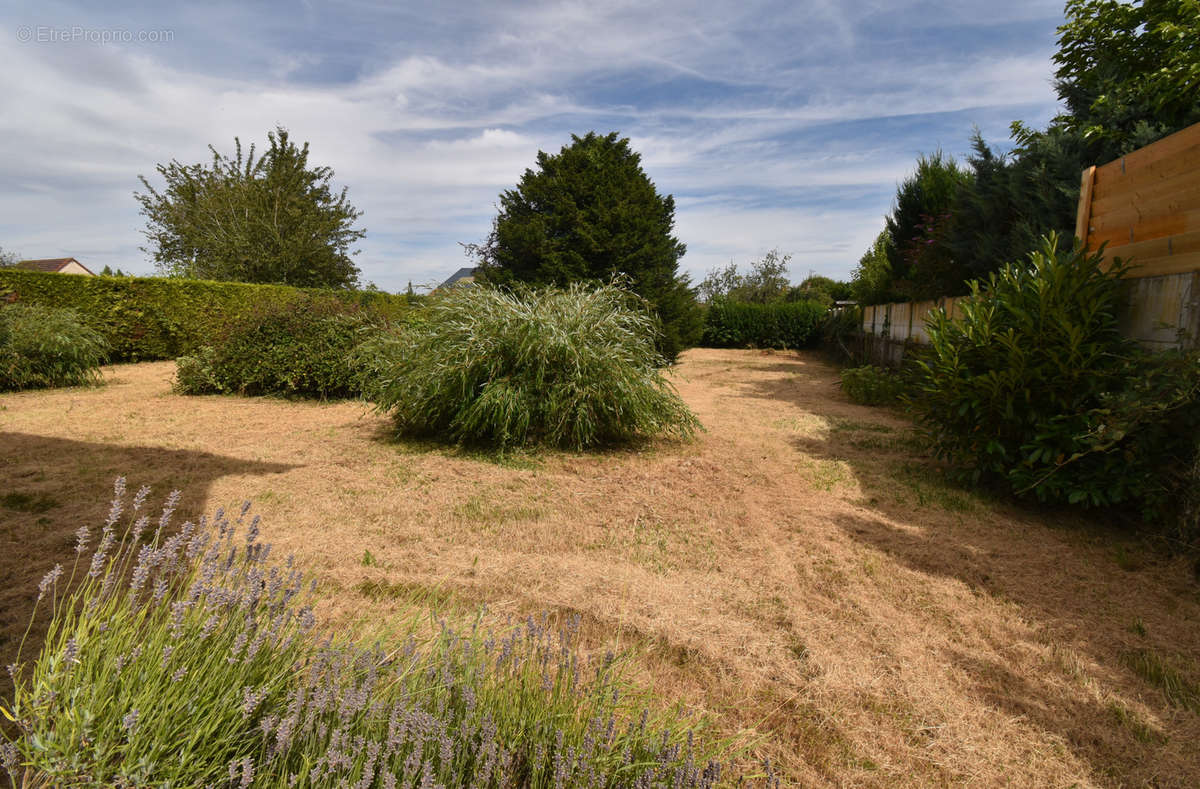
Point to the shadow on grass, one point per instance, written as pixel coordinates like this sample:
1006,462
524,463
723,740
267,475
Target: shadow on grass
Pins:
1079,579
52,486
529,457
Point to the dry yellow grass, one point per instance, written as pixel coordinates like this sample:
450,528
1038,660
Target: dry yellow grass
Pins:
796,569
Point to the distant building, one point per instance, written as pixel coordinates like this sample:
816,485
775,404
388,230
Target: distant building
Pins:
56,266
464,276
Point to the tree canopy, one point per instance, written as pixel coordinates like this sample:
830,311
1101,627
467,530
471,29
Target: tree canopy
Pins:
272,219
766,281
1127,74
590,213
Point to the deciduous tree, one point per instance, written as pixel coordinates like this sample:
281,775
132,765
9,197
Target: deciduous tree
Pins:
270,219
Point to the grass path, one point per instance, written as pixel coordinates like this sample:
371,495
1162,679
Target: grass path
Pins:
797,568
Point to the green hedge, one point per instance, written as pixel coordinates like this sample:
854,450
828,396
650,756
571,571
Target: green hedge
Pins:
144,318
737,324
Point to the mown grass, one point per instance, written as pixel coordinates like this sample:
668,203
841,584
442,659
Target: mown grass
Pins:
1179,689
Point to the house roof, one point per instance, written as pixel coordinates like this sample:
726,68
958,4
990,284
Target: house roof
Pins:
464,276
51,265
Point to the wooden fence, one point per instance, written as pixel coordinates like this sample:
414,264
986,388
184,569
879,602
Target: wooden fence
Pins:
1143,208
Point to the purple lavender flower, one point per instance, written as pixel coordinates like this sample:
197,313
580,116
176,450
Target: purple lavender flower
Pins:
81,538
71,652
129,722
140,498
9,758
48,580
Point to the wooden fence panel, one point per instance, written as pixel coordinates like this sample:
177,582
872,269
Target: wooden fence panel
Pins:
1145,206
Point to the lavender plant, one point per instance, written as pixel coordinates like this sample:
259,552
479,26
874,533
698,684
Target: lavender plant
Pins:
193,660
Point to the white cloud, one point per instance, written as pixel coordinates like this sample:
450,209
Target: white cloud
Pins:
730,110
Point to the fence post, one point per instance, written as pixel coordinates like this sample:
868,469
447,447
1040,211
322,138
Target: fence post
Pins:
1083,214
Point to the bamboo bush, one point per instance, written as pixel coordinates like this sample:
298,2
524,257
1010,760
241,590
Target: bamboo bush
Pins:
574,367
46,347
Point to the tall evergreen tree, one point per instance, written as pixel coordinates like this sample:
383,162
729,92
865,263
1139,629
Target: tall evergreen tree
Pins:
919,226
590,212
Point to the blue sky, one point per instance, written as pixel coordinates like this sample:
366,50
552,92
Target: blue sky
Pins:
774,124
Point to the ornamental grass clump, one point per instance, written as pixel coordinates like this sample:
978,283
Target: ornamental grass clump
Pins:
46,347
574,368
192,659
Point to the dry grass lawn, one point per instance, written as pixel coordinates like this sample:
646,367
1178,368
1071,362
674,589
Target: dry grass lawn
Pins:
796,569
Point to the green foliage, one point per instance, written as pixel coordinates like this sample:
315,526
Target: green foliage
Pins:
589,214
823,290
145,318
572,367
736,324
189,659
921,261
766,281
266,220
1129,73
47,346
302,348
869,385
871,282
1014,200
1035,388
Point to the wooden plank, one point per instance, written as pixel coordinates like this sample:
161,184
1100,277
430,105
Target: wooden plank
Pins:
1150,200
1084,212
1157,247
1144,224
1157,227
1161,149
1114,181
1169,264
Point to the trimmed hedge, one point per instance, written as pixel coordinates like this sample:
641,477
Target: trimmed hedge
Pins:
739,324
305,349
146,318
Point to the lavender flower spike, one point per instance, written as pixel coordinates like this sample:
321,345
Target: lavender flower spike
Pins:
48,580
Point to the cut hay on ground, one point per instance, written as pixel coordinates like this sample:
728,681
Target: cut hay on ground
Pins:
795,569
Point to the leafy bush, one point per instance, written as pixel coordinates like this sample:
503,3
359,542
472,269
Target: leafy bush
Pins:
145,318
46,346
303,348
869,385
188,659
1035,387
573,367
737,324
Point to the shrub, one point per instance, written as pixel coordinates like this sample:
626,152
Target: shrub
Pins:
869,385
44,346
737,324
298,349
146,318
1034,387
572,367
188,659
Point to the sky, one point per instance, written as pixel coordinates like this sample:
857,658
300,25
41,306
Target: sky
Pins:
775,125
